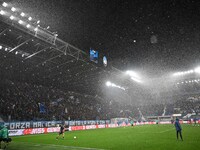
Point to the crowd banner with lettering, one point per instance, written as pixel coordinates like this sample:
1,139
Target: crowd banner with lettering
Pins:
47,124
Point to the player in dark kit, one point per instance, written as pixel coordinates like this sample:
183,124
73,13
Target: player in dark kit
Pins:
178,129
61,132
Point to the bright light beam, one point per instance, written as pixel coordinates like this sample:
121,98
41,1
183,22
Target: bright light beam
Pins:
109,84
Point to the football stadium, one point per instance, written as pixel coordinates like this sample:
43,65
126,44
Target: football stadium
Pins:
99,75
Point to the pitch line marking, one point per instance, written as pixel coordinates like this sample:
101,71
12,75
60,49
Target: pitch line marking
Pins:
166,130
73,147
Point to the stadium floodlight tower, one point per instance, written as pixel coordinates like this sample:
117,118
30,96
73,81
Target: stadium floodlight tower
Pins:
12,17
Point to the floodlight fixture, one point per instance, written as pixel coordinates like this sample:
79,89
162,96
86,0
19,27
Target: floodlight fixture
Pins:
2,12
13,9
22,14
28,25
29,18
12,17
197,70
20,21
136,80
36,29
108,83
5,4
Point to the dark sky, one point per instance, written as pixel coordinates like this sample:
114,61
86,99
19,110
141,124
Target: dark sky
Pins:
146,35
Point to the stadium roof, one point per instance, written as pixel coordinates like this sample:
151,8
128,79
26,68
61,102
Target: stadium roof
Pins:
152,37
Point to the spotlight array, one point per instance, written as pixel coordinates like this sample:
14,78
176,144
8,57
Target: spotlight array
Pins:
189,81
20,18
183,73
196,70
8,49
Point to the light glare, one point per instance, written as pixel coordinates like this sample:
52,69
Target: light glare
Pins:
12,17
197,70
28,25
2,12
22,14
13,9
4,4
29,18
20,21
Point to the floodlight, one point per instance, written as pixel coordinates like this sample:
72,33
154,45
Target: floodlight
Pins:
29,18
132,74
137,80
2,12
20,21
12,17
22,14
197,70
4,4
36,29
28,25
13,9
108,83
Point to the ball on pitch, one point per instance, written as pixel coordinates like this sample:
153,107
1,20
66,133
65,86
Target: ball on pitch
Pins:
74,137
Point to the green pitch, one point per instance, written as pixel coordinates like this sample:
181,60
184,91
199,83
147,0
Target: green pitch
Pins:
147,137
